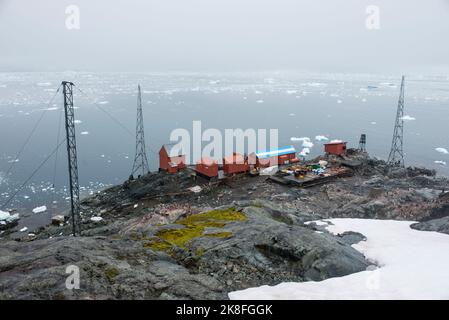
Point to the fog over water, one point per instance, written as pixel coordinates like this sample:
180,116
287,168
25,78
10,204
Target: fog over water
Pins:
306,68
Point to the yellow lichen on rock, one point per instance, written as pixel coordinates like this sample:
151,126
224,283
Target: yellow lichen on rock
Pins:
194,227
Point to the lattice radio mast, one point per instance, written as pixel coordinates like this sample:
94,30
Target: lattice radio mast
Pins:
396,157
140,166
362,142
67,90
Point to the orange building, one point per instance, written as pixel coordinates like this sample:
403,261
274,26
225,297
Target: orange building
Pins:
335,147
171,159
235,164
207,167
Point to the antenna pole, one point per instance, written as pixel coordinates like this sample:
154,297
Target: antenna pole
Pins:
140,166
67,90
396,157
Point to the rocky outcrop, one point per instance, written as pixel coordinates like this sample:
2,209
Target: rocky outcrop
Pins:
438,225
200,256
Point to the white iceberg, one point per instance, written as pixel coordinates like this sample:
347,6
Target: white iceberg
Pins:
307,144
408,118
7,217
295,139
40,209
442,150
321,138
440,162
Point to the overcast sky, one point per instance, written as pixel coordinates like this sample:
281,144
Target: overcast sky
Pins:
225,35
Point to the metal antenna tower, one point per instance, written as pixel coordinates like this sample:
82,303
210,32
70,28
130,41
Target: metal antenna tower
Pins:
362,143
67,90
140,166
396,157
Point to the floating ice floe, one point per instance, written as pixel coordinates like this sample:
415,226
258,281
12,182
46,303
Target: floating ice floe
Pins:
373,122
40,209
292,114
23,229
442,150
103,102
294,139
440,162
399,274
321,138
78,121
339,101
7,217
408,118
307,144
85,133
260,101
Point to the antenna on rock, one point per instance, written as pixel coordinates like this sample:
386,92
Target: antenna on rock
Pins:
67,90
362,143
396,157
140,166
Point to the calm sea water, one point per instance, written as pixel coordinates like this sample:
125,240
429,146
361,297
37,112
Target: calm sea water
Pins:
339,106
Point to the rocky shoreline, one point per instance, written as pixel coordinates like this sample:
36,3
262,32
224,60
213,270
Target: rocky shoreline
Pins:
155,238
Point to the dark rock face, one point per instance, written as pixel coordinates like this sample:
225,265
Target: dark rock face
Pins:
149,245
269,251
108,269
438,225
268,247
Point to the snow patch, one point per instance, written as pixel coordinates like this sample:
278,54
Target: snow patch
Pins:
412,265
96,219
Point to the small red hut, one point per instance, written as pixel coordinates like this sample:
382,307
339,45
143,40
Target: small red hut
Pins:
335,147
171,159
235,164
207,167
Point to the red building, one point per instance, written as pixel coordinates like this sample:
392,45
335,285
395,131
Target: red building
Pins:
171,159
337,148
235,164
281,156
207,167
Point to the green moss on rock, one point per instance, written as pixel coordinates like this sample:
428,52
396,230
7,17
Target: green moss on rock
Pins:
111,273
193,227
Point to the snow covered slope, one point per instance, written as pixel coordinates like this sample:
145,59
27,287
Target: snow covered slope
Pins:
412,265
